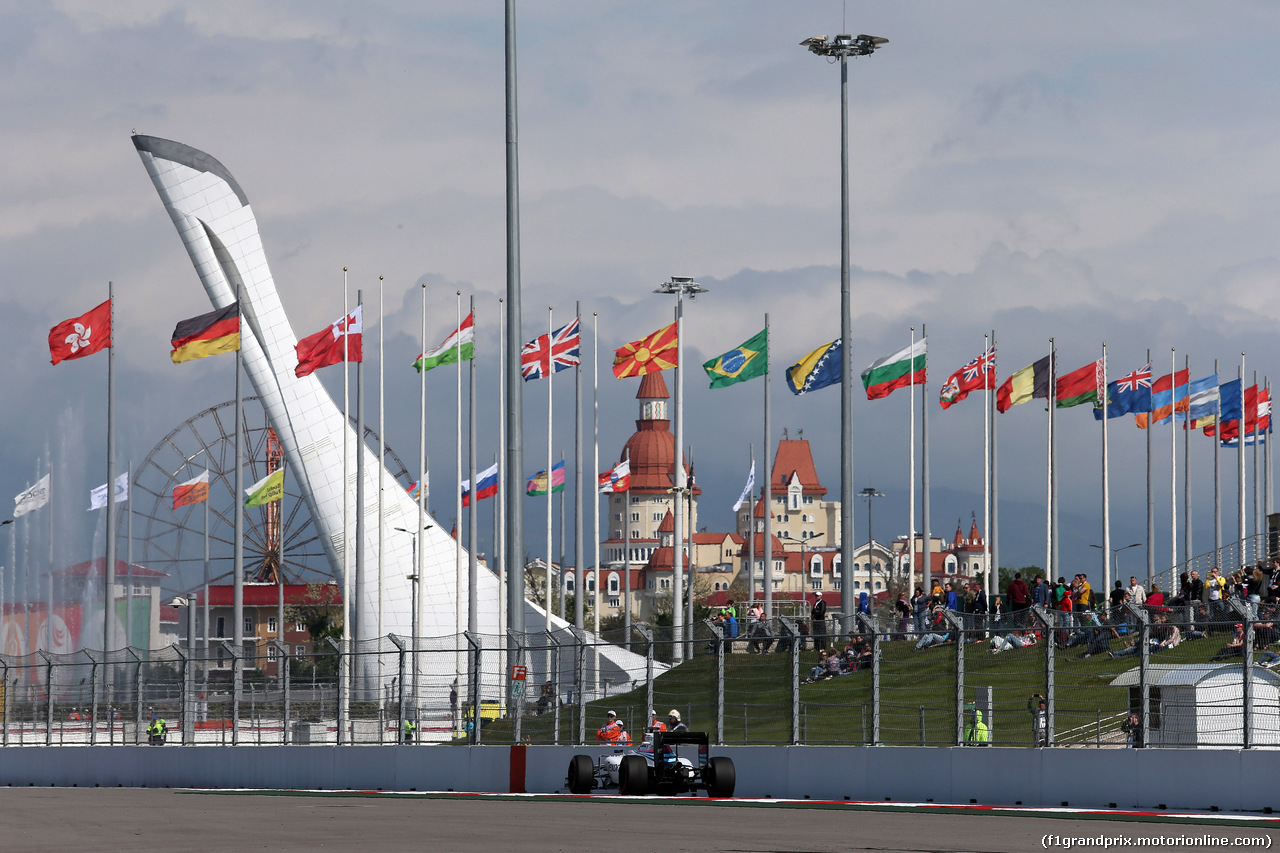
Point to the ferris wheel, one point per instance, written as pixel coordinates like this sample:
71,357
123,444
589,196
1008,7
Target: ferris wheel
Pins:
173,540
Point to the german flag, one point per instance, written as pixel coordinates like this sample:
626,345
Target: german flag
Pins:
209,334
649,354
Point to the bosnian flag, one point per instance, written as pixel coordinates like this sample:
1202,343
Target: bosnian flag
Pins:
486,485
193,491
617,478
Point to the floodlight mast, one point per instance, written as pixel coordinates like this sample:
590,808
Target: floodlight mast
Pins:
842,47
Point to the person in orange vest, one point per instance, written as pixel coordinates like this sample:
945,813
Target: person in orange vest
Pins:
613,732
656,725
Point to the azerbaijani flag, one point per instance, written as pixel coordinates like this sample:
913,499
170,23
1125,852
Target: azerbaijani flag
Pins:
537,484
896,371
459,346
193,491
267,490
1080,386
487,485
209,334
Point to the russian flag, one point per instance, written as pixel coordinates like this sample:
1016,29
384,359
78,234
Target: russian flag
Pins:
487,485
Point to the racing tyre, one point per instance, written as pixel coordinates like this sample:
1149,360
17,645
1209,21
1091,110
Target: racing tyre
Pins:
721,777
582,775
633,776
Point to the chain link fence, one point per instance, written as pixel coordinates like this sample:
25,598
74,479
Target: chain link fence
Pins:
1152,677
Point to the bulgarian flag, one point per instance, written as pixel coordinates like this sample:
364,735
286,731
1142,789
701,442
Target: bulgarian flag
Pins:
537,484
193,491
459,346
267,490
896,371
1081,386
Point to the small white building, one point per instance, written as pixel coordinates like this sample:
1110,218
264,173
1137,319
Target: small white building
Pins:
1201,704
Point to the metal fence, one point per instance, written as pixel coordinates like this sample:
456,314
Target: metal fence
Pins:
1160,677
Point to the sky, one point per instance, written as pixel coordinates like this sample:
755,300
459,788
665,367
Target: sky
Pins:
1088,173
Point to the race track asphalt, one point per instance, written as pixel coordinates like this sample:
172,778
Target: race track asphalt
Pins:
117,819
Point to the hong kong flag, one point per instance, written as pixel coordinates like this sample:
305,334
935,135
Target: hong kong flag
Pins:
81,336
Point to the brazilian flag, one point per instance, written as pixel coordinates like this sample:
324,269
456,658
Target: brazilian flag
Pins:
741,363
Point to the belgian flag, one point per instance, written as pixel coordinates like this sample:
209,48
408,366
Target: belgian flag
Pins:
209,334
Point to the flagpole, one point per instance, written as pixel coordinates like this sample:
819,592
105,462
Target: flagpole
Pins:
1266,464
204,669
546,614
988,586
677,479
595,501
1187,553
1106,481
560,606
1217,474
49,613
1151,502
1048,472
1173,467
766,574
460,579
420,552
360,630
382,487
345,675
924,473
994,533
578,480
1241,478
473,565
500,505
751,530
108,622
128,550
1257,522
626,561
911,456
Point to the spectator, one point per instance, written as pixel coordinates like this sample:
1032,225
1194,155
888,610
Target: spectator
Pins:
1041,593
980,608
997,613
975,730
952,598
931,639
1155,600
1133,728
936,592
1137,592
1012,640
1039,710
1099,640
818,622
1217,606
613,732
1116,600
904,616
1234,646
1164,635
919,607
1018,594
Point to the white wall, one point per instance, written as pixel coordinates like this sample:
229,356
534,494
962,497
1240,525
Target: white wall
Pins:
1148,778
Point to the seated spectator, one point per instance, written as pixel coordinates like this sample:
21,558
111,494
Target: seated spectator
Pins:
1164,635
1269,658
932,639
1013,640
1234,646
1131,649
1099,643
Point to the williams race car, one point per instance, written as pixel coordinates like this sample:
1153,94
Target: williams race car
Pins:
656,767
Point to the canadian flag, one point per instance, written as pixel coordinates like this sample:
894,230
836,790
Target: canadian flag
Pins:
326,347
81,336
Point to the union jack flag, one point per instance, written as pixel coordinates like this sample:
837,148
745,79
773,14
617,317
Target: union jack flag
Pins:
984,363
548,354
1140,378
977,374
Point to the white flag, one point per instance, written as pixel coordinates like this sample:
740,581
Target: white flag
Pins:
746,490
33,498
98,497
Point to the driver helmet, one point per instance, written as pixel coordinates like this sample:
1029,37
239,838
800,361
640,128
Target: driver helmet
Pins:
675,715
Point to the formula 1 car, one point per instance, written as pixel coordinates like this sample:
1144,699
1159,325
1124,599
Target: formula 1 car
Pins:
655,768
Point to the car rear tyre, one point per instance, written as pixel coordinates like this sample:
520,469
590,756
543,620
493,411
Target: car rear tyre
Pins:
582,775
721,777
633,776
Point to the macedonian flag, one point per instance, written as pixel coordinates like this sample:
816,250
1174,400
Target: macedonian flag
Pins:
209,334
651,353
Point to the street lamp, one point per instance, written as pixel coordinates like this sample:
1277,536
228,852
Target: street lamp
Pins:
870,494
1115,558
188,674
842,47
680,285
413,603
12,559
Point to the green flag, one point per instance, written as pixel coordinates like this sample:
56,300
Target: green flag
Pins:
741,363
267,490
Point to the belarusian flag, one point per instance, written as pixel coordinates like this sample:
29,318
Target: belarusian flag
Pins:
1080,386
896,371
267,490
193,491
459,346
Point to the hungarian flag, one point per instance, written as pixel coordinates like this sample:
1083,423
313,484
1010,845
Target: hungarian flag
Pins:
81,336
899,370
537,484
1080,386
974,376
1028,383
193,491
486,485
267,490
649,354
326,347
209,334
459,346
617,478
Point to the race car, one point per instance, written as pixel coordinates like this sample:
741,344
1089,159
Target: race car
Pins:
656,767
